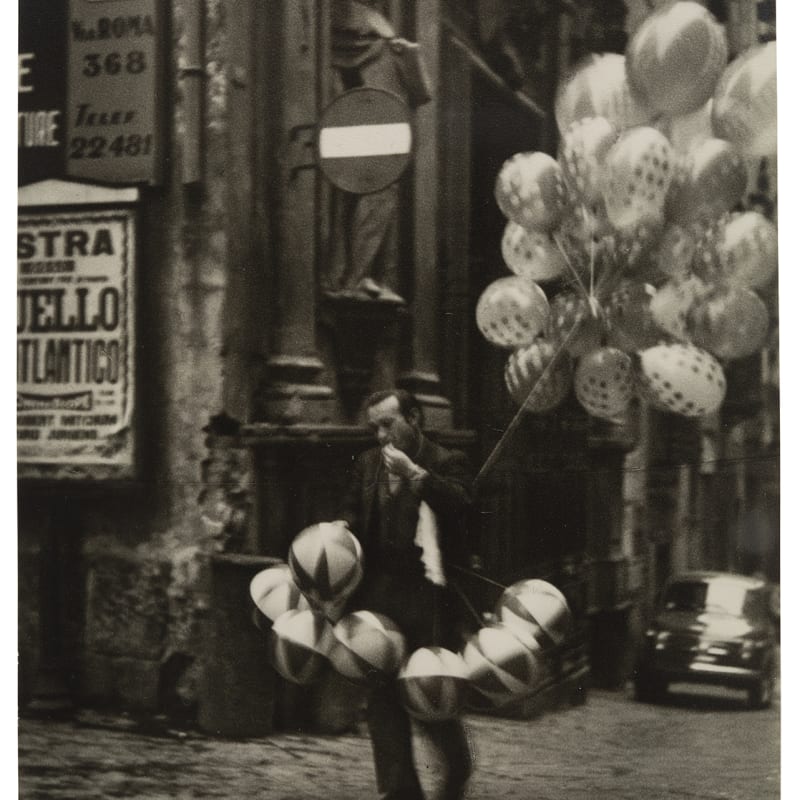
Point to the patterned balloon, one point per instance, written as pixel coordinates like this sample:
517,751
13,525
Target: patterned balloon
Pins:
583,151
681,378
433,684
512,312
274,591
676,251
535,609
530,386
630,318
573,324
745,108
731,324
598,87
676,57
638,172
530,191
604,382
301,643
748,250
708,181
531,254
501,666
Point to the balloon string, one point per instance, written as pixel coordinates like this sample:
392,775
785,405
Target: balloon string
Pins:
477,575
591,260
460,592
517,419
557,240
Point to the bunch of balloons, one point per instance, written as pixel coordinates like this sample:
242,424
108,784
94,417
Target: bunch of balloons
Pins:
300,606
655,271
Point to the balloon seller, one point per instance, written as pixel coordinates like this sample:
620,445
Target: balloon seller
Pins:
393,491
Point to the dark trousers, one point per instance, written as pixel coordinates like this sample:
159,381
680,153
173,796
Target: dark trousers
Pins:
390,731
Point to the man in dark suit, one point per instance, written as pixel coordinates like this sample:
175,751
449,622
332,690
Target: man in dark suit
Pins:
405,574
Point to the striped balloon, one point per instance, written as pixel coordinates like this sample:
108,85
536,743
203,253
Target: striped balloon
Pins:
273,591
676,57
326,562
433,684
745,108
582,155
301,643
535,608
529,386
368,646
501,665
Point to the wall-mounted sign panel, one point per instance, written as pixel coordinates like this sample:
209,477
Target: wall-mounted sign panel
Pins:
90,90
113,84
75,344
42,89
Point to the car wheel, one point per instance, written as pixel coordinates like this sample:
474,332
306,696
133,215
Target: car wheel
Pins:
760,694
648,689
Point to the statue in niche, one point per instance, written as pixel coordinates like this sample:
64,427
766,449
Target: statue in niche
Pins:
366,51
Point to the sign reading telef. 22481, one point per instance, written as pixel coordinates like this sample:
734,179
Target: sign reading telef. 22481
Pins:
90,76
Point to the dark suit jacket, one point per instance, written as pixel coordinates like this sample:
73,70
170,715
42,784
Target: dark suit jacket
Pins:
394,584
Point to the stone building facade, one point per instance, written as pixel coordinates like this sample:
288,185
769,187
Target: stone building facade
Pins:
251,368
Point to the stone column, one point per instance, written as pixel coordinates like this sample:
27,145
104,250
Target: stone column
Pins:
421,374
294,389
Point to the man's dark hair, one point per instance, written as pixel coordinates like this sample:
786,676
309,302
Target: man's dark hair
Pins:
405,400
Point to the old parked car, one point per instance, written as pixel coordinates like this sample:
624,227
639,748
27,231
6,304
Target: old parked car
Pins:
713,628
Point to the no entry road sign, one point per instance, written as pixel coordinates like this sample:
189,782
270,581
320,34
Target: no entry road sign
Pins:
364,140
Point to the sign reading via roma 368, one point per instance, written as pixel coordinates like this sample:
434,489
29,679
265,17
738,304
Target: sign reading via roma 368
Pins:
90,75
75,354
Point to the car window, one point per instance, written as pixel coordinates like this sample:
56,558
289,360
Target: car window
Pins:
716,595
685,596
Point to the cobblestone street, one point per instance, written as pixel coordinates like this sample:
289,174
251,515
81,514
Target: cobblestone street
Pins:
701,746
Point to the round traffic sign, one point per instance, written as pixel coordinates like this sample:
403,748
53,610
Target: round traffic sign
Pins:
364,140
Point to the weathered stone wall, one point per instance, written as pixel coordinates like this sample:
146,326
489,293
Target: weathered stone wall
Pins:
141,551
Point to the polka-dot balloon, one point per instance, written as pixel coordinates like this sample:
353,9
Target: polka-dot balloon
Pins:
731,324
530,191
531,254
512,312
582,155
530,386
638,172
604,382
681,378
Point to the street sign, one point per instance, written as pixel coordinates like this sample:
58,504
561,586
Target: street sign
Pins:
364,140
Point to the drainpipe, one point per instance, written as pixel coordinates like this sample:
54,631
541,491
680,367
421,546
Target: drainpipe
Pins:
192,75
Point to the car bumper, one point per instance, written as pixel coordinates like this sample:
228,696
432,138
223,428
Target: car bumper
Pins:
704,672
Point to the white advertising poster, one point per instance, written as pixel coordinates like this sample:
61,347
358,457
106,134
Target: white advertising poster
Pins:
75,337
